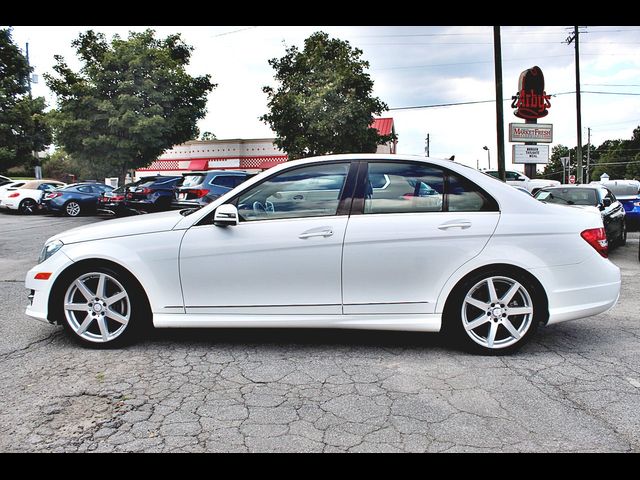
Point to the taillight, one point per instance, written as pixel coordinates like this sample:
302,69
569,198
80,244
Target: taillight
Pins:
597,238
129,195
117,198
49,196
198,192
146,191
14,195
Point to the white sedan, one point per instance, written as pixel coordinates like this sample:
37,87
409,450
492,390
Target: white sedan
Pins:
346,241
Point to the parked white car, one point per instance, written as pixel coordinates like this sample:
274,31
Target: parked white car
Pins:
347,241
518,179
26,197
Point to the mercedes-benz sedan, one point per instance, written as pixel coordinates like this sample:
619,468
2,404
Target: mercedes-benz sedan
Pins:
349,241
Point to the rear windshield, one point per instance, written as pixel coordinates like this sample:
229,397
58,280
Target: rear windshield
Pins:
569,196
192,180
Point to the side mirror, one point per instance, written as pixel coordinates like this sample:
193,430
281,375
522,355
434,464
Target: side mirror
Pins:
606,202
225,215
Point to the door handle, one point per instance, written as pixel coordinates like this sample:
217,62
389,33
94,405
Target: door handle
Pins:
462,225
317,232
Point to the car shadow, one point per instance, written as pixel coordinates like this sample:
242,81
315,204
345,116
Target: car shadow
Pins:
314,337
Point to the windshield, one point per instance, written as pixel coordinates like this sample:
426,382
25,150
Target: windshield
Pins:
568,196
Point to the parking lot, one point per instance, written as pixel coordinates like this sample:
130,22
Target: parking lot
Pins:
574,388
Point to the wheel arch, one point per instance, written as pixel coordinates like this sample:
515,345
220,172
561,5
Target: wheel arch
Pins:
82,265
504,268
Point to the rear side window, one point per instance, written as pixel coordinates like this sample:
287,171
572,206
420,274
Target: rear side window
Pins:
227,181
418,188
85,189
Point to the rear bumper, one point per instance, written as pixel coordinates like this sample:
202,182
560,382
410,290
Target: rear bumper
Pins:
581,290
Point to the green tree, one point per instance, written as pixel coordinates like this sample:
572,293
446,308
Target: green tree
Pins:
208,136
23,127
131,100
324,101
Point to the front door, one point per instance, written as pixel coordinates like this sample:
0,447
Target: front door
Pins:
283,257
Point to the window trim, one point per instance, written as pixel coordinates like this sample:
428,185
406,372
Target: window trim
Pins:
358,203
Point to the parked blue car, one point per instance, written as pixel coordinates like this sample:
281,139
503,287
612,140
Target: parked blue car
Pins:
628,194
75,199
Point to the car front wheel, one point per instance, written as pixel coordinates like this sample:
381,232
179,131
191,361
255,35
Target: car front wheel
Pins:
101,307
494,312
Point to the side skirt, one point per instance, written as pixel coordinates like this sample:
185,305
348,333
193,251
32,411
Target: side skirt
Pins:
404,322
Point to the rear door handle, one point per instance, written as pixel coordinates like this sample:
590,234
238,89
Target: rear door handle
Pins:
455,224
317,232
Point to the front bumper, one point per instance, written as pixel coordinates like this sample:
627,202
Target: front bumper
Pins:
40,290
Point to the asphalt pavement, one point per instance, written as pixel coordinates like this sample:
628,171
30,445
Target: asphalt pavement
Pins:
574,388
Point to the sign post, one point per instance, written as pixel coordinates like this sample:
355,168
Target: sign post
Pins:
565,162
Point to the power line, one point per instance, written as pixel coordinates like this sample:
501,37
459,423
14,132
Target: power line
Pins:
233,31
460,63
612,84
473,102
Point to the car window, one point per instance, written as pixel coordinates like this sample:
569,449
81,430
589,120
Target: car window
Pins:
412,188
465,196
227,181
512,175
416,188
85,189
310,191
568,196
192,180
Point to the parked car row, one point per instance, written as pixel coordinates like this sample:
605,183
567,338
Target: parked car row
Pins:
149,194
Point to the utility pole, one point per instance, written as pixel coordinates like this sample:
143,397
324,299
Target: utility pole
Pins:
586,179
497,60
576,37
29,70
426,148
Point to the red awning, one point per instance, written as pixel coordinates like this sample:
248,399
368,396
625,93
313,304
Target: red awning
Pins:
199,164
383,125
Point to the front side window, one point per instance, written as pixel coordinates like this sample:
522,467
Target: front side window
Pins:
311,191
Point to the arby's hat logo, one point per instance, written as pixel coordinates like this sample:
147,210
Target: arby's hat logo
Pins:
531,101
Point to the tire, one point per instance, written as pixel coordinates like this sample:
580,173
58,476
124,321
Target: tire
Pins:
101,307
27,207
622,240
486,322
72,208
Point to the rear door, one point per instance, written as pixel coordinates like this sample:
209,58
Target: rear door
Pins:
412,225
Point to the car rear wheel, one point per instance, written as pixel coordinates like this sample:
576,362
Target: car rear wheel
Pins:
100,307
28,206
494,312
72,209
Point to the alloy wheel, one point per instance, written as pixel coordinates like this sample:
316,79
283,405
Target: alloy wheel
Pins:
97,307
497,312
28,207
72,209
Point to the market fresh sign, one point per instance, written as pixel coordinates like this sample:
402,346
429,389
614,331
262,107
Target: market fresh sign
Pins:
531,132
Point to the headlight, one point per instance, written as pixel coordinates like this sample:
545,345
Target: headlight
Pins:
49,249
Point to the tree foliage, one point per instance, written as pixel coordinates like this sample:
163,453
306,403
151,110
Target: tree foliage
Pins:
324,101
131,100
618,158
23,127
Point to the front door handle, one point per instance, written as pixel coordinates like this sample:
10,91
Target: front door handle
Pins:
455,224
317,232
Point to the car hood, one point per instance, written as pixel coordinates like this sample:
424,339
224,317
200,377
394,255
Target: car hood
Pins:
137,225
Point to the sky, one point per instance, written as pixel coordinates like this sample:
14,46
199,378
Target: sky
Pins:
411,66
